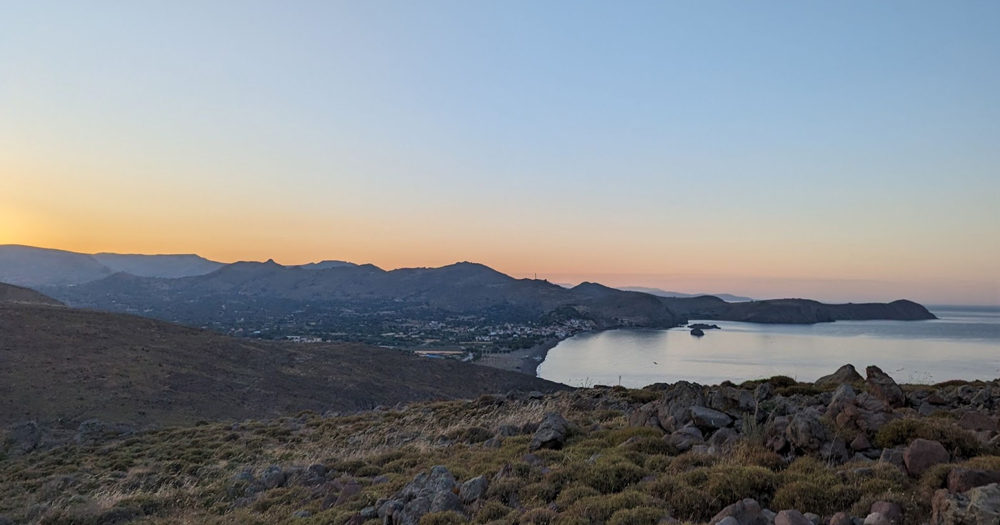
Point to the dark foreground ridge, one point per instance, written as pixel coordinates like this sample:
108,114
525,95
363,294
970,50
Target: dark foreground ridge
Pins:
844,450
61,366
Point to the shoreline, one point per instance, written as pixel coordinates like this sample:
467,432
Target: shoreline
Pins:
524,361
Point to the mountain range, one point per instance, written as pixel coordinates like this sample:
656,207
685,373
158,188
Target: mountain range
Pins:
192,290
729,298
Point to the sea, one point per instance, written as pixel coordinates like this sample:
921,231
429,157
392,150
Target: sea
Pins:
963,343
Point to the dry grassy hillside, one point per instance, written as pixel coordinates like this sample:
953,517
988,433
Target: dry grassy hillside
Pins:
67,365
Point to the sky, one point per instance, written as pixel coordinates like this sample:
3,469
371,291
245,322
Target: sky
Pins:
843,151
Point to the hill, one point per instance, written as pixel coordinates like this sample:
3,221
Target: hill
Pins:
11,294
36,267
344,297
167,266
68,365
799,311
729,298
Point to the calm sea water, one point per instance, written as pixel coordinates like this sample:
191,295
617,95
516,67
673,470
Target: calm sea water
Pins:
963,344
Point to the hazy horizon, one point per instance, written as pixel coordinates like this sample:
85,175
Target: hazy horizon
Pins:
841,152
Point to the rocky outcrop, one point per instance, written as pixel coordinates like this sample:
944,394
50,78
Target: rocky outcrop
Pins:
24,437
427,492
978,506
844,375
884,387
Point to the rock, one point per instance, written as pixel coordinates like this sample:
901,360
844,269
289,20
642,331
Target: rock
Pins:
763,392
685,438
877,519
884,387
977,506
551,433
975,422
351,489
273,477
843,396
963,480
674,408
860,443
24,438
841,518
815,519
769,515
746,512
473,489
706,418
835,451
697,332
891,511
844,375
923,454
806,432
791,517
302,514
427,492
893,456
723,438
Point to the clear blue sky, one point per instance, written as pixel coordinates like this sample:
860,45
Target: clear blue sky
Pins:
839,150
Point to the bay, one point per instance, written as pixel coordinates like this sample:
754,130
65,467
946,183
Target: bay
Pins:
964,343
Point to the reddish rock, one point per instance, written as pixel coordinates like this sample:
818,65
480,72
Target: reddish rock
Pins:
841,518
791,517
746,512
861,443
891,511
923,454
963,480
976,422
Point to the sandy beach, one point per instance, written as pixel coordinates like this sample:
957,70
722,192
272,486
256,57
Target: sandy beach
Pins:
524,361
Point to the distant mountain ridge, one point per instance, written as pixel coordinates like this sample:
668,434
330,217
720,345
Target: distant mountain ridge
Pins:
193,290
246,288
729,298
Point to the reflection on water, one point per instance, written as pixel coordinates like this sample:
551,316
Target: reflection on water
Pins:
962,344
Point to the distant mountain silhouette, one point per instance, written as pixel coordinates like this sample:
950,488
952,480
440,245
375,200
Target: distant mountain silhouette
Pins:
166,266
796,311
462,288
729,298
34,267
324,265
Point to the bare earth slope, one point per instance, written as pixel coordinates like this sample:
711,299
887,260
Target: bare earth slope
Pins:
63,364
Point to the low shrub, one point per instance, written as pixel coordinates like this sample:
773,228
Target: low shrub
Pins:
902,432
574,493
442,518
614,477
492,510
597,509
820,498
538,516
637,516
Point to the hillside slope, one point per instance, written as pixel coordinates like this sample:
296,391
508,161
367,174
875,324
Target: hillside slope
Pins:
35,267
71,365
11,294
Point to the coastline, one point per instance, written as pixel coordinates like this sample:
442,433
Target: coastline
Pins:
523,361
